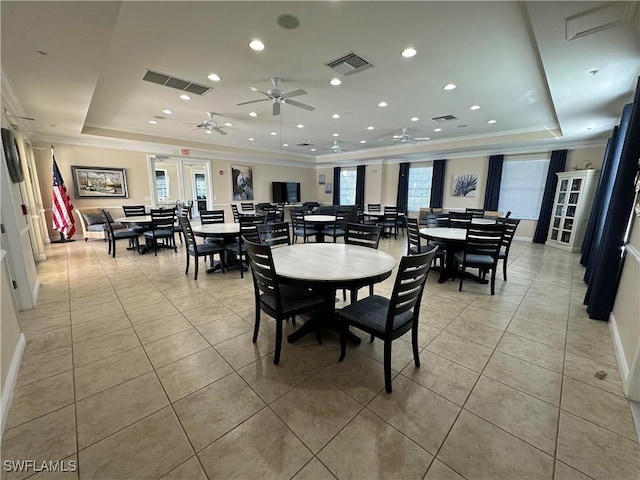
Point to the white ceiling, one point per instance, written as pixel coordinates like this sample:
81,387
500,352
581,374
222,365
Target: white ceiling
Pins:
511,58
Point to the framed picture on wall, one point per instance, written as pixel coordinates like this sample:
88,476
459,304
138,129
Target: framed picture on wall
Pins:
242,183
327,187
322,179
465,185
99,182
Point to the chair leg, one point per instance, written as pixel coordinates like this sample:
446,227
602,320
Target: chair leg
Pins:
276,357
414,342
371,290
256,324
493,280
113,253
504,269
343,340
195,271
241,266
186,270
387,365
461,277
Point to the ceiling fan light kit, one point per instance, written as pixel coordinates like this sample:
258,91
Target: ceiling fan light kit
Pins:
277,97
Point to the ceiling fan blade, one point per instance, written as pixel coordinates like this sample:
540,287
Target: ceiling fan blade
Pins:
254,89
295,93
298,104
422,138
202,125
219,130
253,101
276,108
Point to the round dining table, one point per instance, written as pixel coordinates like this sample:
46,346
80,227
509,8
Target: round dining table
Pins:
227,231
326,267
320,222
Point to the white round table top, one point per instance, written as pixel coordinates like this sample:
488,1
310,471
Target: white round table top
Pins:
483,221
445,233
214,229
320,218
330,262
378,214
134,219
248,212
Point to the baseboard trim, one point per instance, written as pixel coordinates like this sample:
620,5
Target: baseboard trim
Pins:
10,384
619,351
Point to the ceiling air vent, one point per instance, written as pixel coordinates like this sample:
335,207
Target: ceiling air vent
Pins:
444,118
349,64
177,83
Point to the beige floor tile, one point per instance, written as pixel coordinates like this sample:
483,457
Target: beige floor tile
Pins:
272,381
96,328
211,412
67,470
597,406
33,326
104,346
460,350
261,447
358,375
439,471
51,437
240,351
565,472
44,365
474,331
315,355
150,313
526,417
41,397
224,329
191,373
314,470
486,314
144,298
524,376
147,449
447,378
595,347
584,369
107,412
163,327
96,311
189,470
554,337
417,412
357,450
581,324
531,351
595,451
108,372
401,350
174,347
44,311
477,449
198,299
497,304
542,317
315,410
45,342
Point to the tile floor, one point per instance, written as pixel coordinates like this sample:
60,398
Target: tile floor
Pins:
134,370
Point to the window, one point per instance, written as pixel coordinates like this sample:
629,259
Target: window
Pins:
201,186
348,186
419,187
162,184
522,187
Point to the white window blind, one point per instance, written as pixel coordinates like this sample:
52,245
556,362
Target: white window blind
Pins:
348,186
419,187
522,187
162,184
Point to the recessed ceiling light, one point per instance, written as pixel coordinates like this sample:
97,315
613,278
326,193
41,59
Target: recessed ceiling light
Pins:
253,114
363,141
228,124
273,133
491,121
474,107
184,96
335,115
383,104
414,119
256,45
251,139
335,82
300,125
207,131
214,77
285,144
166,111
312,149
396,136
153,122
370,127
437,129
450,86
409,52
336,135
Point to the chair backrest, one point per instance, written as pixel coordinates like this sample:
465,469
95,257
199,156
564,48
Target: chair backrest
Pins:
374,207
297,220
437,220
248,227
459,219
208,217
340,223
107,223
310,207
187,231
265,281
363,235
271,216
274,234
133,210
279,212
234,210
246,206
408,286
413,235
163,219
390,214
475,212
484,240
510,226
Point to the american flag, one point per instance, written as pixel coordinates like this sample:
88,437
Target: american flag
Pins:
63,220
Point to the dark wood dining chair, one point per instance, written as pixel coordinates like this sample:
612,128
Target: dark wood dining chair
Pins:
300,227
236,214
390,221
114,235
195,249
414,242
475,212
481,249
247,207
278,301
390,318
510,226
248,229
162,231
363,235
274,234
337,229
459,219
210,217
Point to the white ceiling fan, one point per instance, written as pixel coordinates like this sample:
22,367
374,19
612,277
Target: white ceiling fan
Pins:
210,125
335,148
277,97
404,137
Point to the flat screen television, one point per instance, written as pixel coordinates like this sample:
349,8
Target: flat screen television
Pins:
286,192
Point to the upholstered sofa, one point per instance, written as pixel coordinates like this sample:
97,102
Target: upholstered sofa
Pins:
93,222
